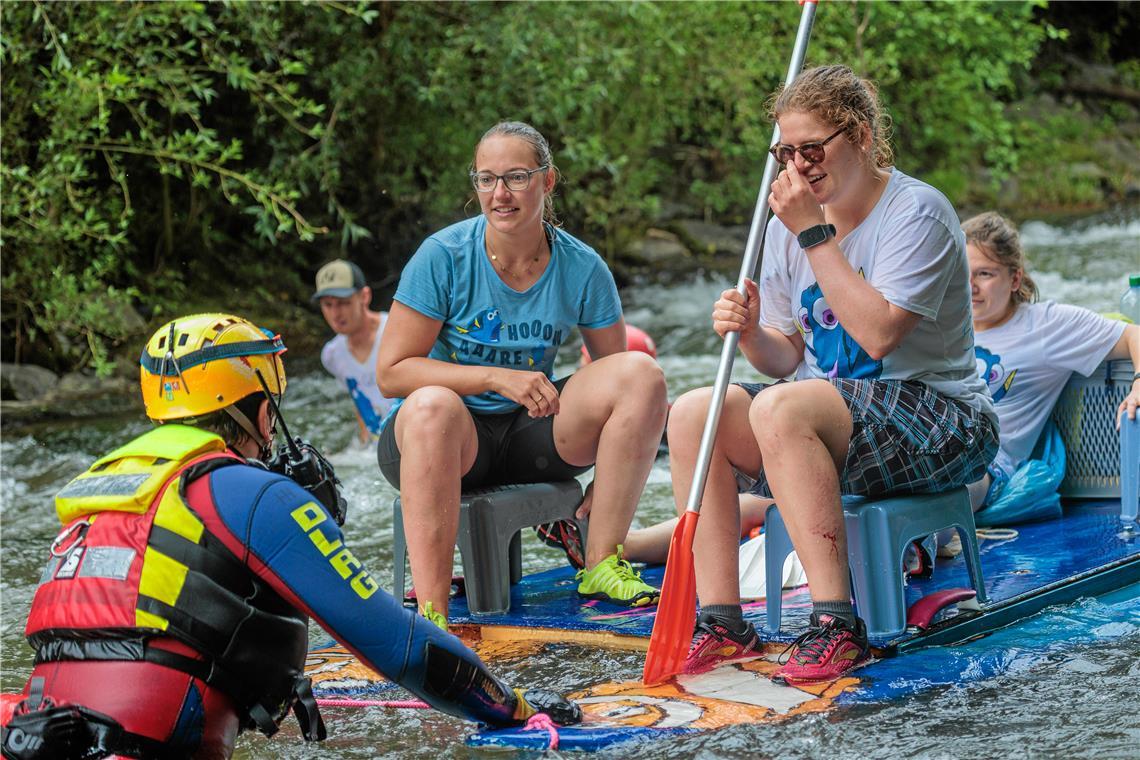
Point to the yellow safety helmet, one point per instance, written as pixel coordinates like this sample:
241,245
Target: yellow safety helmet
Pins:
198,364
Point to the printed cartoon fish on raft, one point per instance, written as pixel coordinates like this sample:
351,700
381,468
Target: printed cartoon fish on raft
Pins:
993,373
485,327
834,350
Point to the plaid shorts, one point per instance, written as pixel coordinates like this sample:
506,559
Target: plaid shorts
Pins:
907,438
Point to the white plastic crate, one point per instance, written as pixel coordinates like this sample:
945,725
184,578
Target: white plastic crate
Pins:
1086,417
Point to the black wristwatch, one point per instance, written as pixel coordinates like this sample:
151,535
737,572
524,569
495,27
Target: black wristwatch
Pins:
813,236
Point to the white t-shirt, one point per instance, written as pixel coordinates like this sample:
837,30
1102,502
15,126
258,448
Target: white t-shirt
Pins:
1027,360
912,250
359,378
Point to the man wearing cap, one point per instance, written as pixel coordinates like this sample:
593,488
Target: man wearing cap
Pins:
350,357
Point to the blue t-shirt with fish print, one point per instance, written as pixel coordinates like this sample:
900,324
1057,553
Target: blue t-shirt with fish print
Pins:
488,323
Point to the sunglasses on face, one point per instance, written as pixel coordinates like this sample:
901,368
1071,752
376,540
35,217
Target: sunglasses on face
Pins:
813,152
516,181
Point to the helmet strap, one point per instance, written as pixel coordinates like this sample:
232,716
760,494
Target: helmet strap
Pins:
250,428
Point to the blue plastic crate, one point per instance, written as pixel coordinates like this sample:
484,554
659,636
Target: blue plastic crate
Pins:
1086,417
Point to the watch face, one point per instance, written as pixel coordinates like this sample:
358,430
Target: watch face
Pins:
813,236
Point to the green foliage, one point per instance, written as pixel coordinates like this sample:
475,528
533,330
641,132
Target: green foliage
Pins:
158,155
147,147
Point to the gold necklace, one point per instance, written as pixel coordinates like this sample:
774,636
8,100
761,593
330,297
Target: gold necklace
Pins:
528,268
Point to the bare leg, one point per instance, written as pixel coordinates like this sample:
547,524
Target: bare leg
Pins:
612,414
651,544
437,442
804,430
718,530
752,511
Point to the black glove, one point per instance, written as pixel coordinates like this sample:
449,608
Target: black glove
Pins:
560,709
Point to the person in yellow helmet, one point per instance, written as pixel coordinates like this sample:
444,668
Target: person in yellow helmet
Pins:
174,605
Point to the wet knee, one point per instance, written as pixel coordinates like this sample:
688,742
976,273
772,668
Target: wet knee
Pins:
638,376
647,382
773,416
687,415
433,411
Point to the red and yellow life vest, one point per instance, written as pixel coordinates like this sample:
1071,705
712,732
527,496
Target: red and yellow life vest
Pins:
134,563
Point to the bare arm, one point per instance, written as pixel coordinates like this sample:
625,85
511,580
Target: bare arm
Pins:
1129,347
403,366
603,341
766,348
877,325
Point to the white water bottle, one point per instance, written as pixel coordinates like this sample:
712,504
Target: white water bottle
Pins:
1130,301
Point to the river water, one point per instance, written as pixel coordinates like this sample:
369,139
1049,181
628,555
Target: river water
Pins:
1077,701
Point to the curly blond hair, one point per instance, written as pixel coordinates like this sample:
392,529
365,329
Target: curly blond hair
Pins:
835,95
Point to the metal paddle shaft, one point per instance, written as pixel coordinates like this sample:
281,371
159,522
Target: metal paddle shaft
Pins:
752,251
673,626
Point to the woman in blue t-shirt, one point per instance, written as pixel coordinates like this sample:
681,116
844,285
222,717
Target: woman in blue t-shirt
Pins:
469,351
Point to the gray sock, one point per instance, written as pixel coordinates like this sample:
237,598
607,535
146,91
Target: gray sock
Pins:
725,611
840,609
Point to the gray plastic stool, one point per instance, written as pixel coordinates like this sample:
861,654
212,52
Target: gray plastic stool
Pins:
878,532
489,537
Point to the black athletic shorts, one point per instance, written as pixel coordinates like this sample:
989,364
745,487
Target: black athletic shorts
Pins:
513,448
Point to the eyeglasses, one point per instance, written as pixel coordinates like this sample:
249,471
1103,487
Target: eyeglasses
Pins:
516,181
812,152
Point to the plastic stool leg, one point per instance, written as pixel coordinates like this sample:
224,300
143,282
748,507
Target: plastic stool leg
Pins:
874,554
969,536
777,547
515,553
399,550
1129,468
486,558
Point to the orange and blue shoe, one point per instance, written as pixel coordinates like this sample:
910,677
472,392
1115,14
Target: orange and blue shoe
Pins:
829,649
716,641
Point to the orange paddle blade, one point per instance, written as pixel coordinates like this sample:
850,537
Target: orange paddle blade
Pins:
677,611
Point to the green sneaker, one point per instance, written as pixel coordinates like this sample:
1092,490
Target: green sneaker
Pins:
436,617
614,580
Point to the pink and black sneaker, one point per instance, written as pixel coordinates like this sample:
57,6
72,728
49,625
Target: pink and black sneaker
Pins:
564,535
826,651
715,642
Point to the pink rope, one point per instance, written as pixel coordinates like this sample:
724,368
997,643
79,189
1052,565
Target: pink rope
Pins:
541,721
411,704
537,722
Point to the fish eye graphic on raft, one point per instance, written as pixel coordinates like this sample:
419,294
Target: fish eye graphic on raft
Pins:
516,180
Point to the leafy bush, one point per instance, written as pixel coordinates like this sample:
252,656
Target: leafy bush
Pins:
161,155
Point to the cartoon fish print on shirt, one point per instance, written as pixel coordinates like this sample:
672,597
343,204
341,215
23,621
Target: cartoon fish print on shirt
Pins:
537,355
485,327
993,373
834,350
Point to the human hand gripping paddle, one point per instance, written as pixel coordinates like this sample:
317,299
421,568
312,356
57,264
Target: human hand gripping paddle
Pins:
676,614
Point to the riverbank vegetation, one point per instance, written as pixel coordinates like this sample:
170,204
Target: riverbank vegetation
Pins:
163,157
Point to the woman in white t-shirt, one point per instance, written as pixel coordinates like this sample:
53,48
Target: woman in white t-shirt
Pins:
864,295
1027,351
